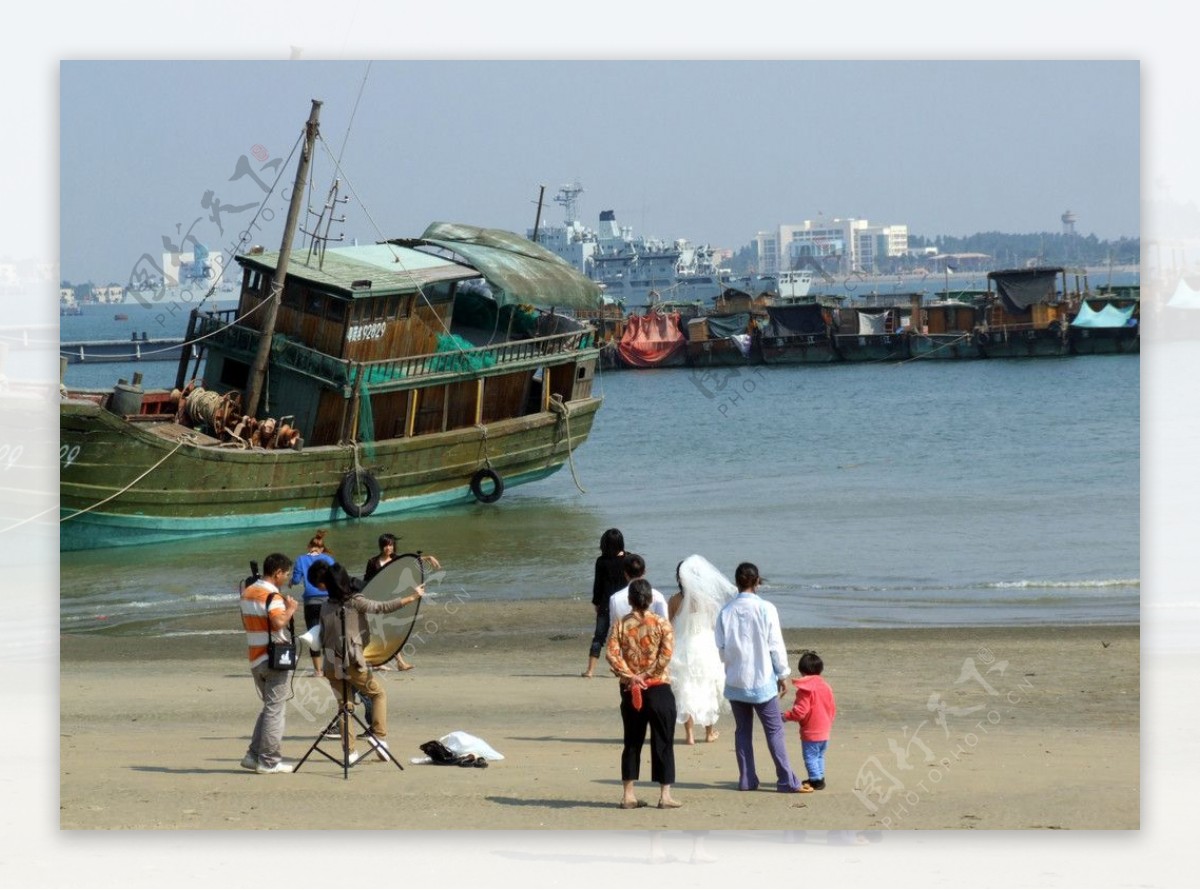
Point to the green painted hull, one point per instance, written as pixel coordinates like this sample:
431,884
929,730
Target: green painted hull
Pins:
1105,341
942,347
1040,343
871,347
202,489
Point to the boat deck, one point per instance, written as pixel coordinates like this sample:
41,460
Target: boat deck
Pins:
175,432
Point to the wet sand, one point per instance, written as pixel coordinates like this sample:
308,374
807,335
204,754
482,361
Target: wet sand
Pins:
981,728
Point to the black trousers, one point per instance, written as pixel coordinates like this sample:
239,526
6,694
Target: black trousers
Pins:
658,712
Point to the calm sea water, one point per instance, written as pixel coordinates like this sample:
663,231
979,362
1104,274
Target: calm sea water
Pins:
918,494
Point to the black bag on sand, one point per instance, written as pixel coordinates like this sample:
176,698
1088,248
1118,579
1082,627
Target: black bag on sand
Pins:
443,756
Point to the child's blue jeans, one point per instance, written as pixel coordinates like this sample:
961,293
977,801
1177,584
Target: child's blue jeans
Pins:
814,758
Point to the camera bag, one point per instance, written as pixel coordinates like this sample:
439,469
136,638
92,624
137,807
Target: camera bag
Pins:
281,656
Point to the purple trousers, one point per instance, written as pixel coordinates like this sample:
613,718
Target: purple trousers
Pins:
743,744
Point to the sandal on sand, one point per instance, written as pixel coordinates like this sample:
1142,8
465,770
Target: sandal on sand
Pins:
805,788
637,804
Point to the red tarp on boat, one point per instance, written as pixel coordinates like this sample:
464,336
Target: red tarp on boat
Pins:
652,341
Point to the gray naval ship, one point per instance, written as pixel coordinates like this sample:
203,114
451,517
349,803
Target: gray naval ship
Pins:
637,272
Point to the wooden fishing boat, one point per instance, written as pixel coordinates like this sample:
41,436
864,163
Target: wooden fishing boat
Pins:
724,335
869,333
797,334
1025,314
1106,325
652,340
379,378
946,330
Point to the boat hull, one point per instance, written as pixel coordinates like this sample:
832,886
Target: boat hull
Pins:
803,350
721,352
1104,341
871,347
1038,343
942,346
142,483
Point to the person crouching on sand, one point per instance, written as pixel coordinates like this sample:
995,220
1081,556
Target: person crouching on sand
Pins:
345,664
639,652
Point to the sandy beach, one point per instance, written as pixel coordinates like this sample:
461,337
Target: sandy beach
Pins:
996,728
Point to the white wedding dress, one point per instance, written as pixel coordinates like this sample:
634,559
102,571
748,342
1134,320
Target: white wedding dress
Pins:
697,675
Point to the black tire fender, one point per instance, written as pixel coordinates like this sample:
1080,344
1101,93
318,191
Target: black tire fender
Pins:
477,486
982,338
350,483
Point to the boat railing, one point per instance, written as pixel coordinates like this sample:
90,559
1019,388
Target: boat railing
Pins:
400,373
403,372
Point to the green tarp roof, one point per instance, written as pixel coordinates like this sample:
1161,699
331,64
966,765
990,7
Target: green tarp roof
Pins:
520,270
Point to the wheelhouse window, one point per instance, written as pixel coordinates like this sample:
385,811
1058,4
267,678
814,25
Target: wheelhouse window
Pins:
335,310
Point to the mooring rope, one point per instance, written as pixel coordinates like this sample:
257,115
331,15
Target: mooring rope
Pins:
559,407
935,349
483,433
186,439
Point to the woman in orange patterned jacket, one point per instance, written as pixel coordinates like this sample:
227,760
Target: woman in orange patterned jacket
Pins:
639,651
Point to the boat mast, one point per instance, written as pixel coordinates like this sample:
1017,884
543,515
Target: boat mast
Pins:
537,220
258,370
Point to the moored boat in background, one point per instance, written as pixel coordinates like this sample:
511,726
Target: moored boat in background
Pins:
946,330
869,334
653,340
797,334
1106,325
1025,315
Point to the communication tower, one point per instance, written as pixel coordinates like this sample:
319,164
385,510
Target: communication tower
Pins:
567,195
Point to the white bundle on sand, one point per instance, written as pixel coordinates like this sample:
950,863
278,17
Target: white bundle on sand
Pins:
464,743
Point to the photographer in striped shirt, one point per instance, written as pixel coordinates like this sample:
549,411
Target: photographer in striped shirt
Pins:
262,621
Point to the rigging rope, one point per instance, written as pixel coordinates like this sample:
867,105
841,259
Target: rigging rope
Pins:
384,238
353,111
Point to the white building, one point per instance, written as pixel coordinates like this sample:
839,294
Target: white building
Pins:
839,246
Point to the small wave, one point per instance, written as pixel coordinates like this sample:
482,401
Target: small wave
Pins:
231,598
1107,582
202,633
977,585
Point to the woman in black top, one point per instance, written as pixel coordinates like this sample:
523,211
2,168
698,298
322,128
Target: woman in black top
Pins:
609,578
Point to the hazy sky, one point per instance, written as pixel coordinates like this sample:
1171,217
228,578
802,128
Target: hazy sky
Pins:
712,151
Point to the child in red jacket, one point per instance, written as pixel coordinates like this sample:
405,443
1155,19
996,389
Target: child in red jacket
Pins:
814,710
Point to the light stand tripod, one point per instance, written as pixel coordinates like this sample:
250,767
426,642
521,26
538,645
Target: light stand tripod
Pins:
341,719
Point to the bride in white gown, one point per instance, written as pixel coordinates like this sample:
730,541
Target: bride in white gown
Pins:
697,675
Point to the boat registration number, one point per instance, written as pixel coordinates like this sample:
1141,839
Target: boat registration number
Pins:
371,331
